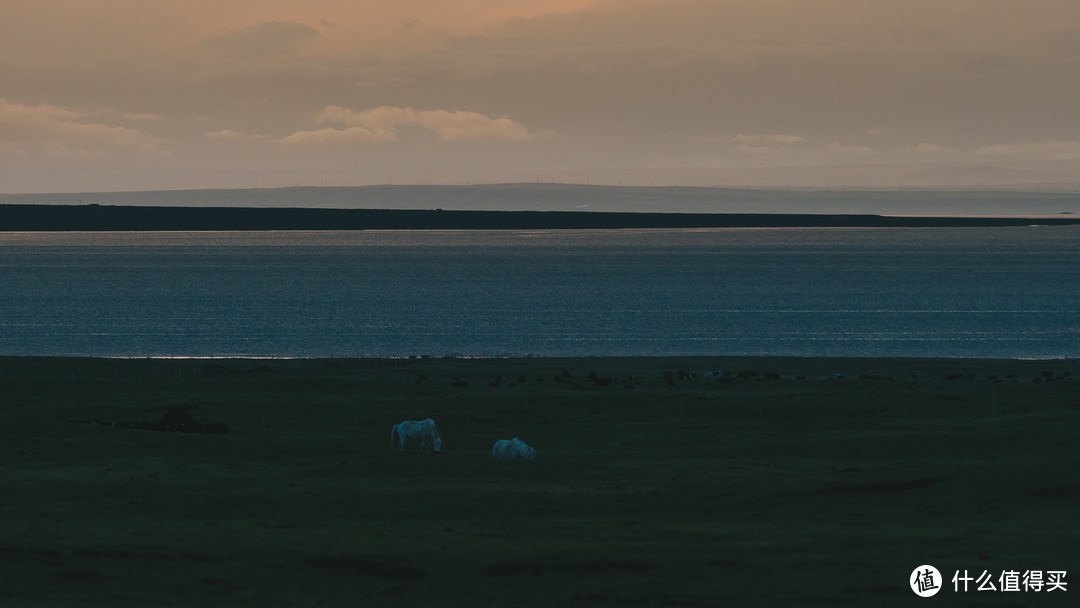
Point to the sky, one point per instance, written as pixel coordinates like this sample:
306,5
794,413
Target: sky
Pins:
156,94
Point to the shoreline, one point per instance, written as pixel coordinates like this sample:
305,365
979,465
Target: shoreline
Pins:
788,368
144,369
464,358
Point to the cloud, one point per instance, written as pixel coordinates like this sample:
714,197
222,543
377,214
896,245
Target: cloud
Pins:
229,134
270,38
765,144
781,139
632,82
60,132
760,150
929,151
464,126
14,114
1046,150
141,117
849,150
382,124
348,135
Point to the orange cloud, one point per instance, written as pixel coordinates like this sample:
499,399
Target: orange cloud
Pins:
60,131
381,124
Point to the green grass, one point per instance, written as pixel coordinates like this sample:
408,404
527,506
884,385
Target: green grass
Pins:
778,492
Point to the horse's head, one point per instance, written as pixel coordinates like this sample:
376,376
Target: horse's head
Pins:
530,454
437,445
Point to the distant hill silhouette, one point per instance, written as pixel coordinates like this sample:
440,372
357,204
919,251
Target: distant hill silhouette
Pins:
571,197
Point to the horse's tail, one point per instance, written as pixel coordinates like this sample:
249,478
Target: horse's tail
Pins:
394,439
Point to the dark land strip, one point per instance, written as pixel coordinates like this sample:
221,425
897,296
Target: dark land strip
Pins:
131,218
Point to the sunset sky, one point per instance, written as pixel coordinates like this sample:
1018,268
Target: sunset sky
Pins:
146,94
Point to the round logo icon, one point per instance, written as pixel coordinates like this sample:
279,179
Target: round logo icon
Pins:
925,581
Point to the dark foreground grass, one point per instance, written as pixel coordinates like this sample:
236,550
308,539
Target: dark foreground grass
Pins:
797,489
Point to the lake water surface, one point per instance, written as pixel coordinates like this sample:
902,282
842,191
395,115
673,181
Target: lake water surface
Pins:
940,292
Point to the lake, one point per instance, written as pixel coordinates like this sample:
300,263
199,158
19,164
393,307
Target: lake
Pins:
911,292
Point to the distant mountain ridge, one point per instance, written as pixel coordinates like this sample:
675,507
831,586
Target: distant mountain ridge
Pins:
570,197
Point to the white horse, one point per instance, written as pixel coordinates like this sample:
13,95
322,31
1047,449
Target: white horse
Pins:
424,430
512,448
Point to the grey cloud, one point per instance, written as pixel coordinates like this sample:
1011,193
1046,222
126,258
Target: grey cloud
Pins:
1046,150
266,39
834,69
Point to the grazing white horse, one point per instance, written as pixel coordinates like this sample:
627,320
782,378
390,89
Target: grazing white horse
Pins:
424,430
512,448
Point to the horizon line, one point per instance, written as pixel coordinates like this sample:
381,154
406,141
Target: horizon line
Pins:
1022,187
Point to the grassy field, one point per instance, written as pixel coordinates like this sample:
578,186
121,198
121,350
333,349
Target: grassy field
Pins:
788,487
